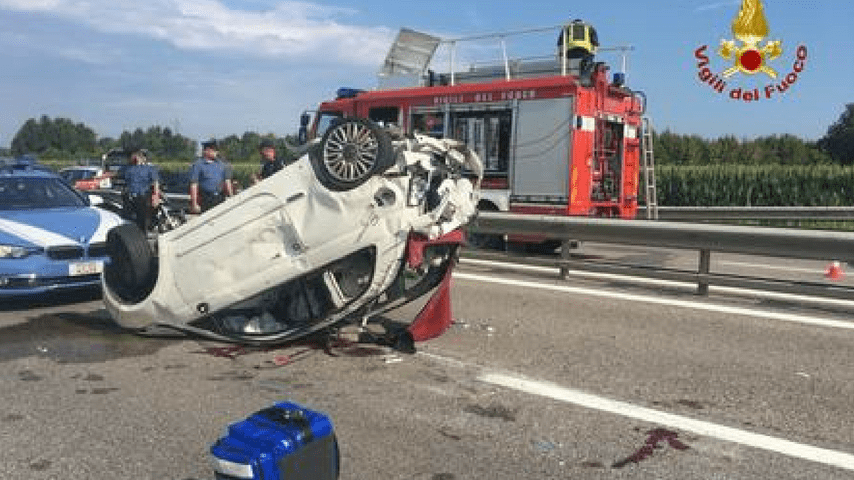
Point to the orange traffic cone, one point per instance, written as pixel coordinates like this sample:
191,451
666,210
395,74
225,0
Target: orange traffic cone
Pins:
834,272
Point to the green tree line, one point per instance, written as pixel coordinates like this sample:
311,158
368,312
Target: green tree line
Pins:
50,137
835,147
63,139
691,170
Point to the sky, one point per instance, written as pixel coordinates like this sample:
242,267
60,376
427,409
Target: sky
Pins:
211,68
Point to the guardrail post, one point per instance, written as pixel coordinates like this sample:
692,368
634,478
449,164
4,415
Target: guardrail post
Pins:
565,254
705,265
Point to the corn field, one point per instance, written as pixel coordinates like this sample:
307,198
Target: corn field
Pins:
760,185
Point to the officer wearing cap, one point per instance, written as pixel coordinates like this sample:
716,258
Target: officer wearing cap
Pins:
142,188
269,163
210,179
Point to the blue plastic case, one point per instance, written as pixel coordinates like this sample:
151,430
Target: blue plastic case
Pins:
282,442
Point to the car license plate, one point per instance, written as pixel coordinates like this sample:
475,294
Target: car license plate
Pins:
85,268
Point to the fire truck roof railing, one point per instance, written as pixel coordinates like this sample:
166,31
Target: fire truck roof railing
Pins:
410,56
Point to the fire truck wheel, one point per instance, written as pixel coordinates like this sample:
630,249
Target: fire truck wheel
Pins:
484,241
547,246
128,273
350,153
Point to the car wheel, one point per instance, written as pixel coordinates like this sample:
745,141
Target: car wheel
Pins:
350,153
129,270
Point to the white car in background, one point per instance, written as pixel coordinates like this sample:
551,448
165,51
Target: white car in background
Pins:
358,225
85,177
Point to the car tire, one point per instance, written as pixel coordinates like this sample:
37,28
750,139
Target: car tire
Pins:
350,153
128,273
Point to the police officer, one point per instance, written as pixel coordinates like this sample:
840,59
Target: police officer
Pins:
269,163
142,189
210,179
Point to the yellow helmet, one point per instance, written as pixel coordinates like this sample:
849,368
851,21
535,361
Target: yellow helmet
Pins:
578,39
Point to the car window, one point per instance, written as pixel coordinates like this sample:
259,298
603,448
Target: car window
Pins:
85,174
22,193
74,175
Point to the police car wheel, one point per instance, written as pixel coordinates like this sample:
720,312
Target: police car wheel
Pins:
128,272
350,152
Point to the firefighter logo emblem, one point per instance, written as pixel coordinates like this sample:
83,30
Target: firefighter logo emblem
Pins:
750,27
751,55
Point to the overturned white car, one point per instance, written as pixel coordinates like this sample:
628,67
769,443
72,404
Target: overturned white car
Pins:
357,226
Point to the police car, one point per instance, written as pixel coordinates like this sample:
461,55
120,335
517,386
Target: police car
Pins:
51,237
360,224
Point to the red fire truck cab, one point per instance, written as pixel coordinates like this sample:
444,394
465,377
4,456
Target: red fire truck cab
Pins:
553,140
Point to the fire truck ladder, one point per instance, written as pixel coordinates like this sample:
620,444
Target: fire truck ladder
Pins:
649,170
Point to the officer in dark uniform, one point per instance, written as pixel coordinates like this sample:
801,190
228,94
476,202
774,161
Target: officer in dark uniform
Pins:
269,163
142,189
210,179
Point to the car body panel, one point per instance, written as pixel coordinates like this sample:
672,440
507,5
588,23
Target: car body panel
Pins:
57,226
290,227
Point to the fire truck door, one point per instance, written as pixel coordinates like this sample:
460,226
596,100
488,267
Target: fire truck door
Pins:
541,153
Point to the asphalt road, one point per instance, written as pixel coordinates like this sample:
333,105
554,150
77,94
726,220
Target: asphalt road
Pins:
538,378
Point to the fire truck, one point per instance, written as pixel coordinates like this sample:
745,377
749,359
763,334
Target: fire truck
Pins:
556,135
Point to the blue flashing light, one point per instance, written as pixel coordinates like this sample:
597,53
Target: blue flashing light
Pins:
347,92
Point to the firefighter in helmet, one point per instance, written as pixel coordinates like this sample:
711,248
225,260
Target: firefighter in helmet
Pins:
578,40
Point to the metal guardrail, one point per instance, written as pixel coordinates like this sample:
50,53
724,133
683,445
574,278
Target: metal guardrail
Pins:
750,213
704,238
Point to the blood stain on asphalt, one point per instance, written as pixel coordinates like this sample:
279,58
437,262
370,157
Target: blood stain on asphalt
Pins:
658,439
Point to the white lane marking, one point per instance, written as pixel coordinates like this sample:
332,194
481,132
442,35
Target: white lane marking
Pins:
709,307
729,434
815,271
445,359
670,283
